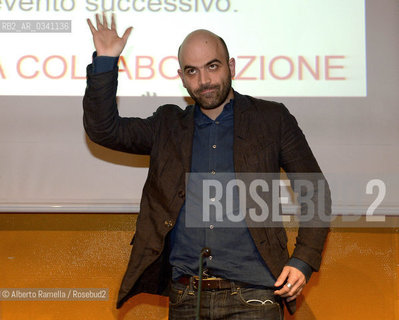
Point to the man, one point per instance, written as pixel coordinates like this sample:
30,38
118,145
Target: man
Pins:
249,272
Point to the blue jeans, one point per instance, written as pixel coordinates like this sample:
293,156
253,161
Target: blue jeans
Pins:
235,303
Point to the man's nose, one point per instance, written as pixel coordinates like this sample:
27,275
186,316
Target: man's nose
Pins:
204,77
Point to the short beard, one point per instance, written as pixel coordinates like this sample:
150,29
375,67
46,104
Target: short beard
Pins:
222,91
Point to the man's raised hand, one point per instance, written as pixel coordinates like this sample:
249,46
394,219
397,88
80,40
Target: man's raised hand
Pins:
106,40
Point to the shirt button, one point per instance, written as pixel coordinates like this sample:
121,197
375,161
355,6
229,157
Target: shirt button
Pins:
214,146
217,122
211,226
213,172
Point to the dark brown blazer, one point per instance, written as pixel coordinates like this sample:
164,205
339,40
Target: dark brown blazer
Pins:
266,138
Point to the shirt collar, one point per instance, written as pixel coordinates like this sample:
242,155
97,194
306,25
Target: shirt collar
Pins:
201,119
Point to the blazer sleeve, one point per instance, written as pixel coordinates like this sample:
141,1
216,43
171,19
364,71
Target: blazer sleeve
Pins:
101,118
299,163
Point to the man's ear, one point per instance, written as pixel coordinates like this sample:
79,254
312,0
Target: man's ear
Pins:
181,75
232,67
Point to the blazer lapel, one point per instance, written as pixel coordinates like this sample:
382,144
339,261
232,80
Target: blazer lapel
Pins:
240,131
184,137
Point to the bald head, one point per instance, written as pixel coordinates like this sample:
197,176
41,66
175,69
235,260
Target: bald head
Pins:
206,71
201,41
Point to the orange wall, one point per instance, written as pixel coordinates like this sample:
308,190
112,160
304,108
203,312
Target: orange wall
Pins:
358,278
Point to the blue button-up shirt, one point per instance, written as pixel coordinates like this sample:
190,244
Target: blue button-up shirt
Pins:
233,253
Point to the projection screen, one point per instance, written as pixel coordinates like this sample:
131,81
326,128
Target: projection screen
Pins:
333,63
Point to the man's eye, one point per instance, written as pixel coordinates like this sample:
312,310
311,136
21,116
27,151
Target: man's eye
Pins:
190,71
213,66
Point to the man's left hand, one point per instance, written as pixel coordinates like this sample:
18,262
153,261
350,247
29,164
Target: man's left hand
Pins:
295,282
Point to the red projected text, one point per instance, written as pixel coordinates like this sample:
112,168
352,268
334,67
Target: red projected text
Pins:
286,68
147,67
52,67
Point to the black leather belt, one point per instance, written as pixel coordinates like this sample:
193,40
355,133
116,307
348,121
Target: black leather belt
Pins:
212,283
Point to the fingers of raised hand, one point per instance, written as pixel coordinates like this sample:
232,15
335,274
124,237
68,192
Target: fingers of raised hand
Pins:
92,28
105,21
102,23
99,24
113,23
126,34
